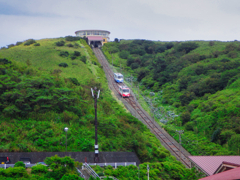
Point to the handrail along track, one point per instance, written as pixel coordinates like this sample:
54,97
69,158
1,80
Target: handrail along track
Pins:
167,141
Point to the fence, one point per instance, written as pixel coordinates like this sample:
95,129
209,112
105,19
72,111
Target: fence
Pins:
115,165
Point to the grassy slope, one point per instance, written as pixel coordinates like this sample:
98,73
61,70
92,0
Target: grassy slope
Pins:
117,131
45,57
117,128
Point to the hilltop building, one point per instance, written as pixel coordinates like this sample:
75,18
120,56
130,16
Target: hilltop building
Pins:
95,38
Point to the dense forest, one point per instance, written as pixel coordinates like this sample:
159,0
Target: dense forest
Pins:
198,81
45,86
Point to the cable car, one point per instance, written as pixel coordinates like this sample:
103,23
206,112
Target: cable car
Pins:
124,91
118,77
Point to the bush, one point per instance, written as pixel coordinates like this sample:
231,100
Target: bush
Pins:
39,169
211,43
72,38
63,54
189,126
84,59
69,45
124,54
63,65
75,81
60,43
19,164
185,117
37,44
73,57
18,43
16,172
77,53
5,61
187,47
232,54
216,135
10,45
29,42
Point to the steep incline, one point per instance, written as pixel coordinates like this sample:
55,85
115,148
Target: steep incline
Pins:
134,107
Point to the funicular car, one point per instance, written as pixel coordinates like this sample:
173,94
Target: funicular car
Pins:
124,91
118,77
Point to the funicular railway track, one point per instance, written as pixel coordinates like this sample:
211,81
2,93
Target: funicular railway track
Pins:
167,141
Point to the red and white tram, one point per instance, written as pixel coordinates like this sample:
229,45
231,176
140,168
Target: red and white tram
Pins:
124,91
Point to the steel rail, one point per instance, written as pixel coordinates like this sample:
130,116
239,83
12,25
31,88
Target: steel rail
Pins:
173,147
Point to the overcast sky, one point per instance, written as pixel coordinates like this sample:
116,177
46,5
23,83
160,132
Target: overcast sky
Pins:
164,20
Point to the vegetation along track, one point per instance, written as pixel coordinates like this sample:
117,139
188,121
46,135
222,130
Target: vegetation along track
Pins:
133,106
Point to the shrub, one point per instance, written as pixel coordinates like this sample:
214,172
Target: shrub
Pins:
38,169
16,172
185,117
37,44
234,143
18,43
216,135
216,54
187,47
19,164
74,63
63,65
60,43
63,54
230,47
10,45
76,45
134,65
72,38
232,54
211,43
75,81
5,61
69,45
29,42
124,54
169,45
189,126
83,59
73,57
77,53
225,60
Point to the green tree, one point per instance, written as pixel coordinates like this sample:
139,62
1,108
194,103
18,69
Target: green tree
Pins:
19,164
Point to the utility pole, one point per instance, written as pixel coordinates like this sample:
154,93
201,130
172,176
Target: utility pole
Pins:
148,171
95,96
180,141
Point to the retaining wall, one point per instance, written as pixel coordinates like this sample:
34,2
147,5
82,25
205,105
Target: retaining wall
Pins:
78,156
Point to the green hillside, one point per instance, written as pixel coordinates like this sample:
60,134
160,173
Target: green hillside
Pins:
196,85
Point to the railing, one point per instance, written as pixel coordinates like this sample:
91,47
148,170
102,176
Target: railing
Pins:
90,171
12,165
115,165
80,173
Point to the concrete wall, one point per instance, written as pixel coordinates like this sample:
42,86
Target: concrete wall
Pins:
78,156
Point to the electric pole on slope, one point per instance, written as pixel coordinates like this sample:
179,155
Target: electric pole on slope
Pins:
180,141
95,95
148,171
